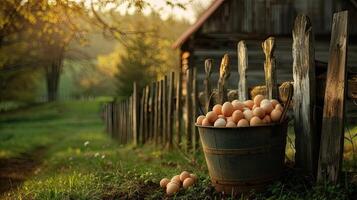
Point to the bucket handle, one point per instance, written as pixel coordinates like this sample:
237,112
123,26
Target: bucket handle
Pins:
287,104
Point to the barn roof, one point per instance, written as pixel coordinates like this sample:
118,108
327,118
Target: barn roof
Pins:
192,29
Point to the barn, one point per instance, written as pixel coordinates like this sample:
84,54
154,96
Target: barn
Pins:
225,22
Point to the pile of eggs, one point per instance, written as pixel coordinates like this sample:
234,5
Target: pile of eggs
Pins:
173,186
255,112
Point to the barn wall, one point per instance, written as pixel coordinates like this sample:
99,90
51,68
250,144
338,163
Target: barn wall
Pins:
264,17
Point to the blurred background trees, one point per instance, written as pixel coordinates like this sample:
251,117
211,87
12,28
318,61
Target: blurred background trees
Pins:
52,49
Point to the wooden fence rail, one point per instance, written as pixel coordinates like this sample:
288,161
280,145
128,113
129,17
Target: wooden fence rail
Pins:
164,112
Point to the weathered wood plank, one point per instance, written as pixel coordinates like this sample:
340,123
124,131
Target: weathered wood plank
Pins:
195,110
332,133
141,121
178,108
306,142
207,84
269,68
146,113
223,76
152,110
159,113
188,127
135,114
169,109
242,68
156,100
164,110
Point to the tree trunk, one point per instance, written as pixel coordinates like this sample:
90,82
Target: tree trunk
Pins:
53,72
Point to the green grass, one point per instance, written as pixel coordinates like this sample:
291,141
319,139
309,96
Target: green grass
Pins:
82,162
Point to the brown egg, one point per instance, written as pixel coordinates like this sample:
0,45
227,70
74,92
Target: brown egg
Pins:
231,124
200,119
243,123
248,114
237,115
275,115
249,104
267,107
258,99
274,102
237,105
220,123
184,175
205,122
264,101
188,182
217,109
164,182
255,106
259,112
176,179
279,107
255,121
211,116
172,188
194,177
267,119
229,119
227,109
221,116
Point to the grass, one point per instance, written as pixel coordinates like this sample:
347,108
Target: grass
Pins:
81,162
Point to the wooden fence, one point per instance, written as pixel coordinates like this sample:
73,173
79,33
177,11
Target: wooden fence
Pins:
164,112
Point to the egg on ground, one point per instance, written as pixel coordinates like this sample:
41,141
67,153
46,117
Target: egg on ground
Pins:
227,109
172,188
184,175
188,183
164,182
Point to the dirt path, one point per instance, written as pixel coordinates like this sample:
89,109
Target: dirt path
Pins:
14,171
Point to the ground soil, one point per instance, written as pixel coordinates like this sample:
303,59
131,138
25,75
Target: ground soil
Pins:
14,171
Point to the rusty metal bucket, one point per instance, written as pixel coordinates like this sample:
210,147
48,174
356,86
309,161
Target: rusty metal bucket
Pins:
246,158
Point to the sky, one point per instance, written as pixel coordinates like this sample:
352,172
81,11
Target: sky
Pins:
189,14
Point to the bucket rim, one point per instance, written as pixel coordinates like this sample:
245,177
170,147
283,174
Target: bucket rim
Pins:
247,127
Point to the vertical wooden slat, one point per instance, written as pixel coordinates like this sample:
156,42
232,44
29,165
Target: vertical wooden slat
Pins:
159,113
223,76
146,113
141,123
178,108
110,117
156,116
306,141
164,110
195,109
130,117
242,68
332,133
135,114
188,110
207,84
152,110
269,68
169,109
125,113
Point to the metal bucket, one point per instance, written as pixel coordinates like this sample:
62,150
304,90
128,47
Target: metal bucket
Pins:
246,158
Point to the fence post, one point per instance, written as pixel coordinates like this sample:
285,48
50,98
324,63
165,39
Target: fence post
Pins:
269,68
223,76
332,133
195,109
141,123
188,109
152,106
135,106
164,110
156,99
159,113
208,92
146,113
242,68
178,108
169,109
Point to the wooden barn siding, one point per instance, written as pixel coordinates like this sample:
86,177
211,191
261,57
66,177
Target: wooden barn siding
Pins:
273,16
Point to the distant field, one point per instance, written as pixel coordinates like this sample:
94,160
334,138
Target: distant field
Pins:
60,151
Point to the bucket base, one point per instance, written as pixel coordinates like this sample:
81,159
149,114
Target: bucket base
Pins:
242,187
